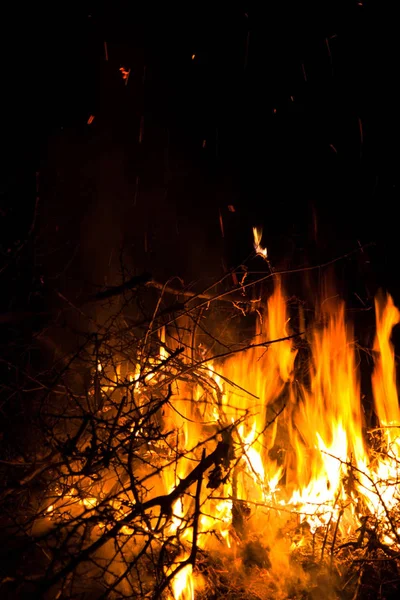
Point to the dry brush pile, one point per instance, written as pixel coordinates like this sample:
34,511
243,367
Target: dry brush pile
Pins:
128,483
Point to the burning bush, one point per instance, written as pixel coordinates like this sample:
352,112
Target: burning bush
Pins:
184,464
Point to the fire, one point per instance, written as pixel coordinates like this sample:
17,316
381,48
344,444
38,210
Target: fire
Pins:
384,481
263,396
384,375
327,421
182,584
257,234
293,442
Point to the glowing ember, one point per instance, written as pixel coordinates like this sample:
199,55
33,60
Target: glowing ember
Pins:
125,74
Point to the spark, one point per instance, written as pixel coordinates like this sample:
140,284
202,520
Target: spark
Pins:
221,224
125,74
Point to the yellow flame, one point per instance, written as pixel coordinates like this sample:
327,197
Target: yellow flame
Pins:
257,234
182,584
327,420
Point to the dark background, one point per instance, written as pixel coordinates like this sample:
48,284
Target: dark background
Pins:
288,113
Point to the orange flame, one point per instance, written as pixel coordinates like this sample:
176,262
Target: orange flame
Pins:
384,375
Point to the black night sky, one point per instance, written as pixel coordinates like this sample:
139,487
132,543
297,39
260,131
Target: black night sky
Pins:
287,113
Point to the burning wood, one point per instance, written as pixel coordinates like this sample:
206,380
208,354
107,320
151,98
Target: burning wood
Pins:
182,472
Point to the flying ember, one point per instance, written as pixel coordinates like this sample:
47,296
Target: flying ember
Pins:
257,234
